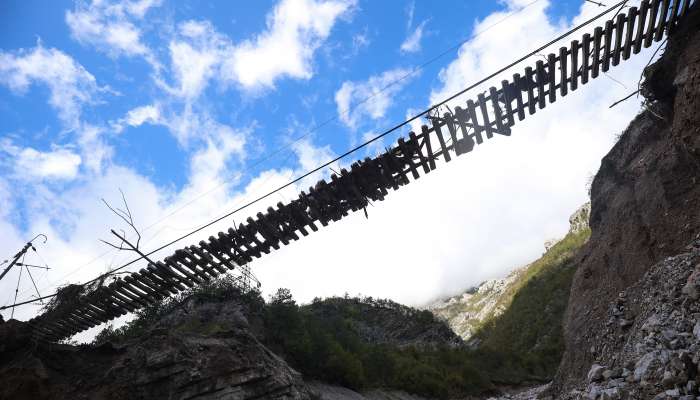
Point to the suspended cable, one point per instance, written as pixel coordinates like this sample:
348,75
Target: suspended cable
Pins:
356,148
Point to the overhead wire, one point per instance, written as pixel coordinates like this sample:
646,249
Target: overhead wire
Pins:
364,144
310,131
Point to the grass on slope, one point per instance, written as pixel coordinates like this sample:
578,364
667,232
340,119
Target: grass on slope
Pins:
529,334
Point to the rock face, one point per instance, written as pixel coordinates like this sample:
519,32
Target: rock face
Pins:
650,345
467,312
207,354
644,199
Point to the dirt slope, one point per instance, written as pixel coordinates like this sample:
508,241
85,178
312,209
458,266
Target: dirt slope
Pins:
645,198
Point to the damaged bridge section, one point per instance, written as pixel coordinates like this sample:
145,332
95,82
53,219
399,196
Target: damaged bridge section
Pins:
449,134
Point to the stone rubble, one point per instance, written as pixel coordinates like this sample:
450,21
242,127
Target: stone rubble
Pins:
650,347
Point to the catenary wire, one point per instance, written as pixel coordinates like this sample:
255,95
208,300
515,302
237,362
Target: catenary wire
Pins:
356,148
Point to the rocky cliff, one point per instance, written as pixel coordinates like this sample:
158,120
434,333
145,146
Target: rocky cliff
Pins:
217,343
644,200
203,351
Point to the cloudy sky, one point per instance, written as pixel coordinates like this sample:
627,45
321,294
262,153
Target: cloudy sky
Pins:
192,108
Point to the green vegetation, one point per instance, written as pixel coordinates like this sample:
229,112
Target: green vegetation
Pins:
364,343
529,334
322,341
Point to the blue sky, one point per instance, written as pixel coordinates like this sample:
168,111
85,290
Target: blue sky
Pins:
177,103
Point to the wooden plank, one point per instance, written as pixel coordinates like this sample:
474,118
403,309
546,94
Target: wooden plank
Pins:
144,285
134,293
387,170
607,47
190,272
124,295
629,32
189,262
413,141
552,77
99,313
407,158
597,36
167,270
209,259
299,223
80,320
476,126
563,69
517,91
251,231
285,223
500,128
437,127
684,8
157,283
374,174
237,244
147,280
641,25
121,300
539,66
507,103
261,225
428,146
665,4
481,100
87,316
450,119
651,26
169,282
330,207
104,300
585,58
619,30
298,209
673,18
278,224
529,75
315,207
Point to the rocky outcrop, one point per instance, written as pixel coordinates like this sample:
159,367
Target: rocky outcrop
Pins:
644,199
207,354
466,313
650,345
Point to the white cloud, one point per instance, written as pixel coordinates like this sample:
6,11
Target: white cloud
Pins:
144,114
110,26
295,29
196,57
28,163
412,42
71,85
472,219
370,98
410,12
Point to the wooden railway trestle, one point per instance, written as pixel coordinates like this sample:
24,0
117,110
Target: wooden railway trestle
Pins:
450,134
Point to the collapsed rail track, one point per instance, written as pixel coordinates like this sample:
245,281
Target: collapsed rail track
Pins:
449,134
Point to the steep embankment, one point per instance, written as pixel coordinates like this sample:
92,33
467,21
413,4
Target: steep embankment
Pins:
650,345
644,199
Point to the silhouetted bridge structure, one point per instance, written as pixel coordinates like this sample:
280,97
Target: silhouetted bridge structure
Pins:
450,134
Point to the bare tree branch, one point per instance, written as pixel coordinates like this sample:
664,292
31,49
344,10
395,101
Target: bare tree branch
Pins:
127,217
